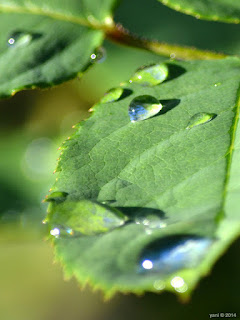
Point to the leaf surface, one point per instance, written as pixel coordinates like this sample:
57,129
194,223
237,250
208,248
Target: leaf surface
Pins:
177,183
224,10
44,43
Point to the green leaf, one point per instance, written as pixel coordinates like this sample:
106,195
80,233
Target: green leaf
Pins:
174,175
44,43
224,10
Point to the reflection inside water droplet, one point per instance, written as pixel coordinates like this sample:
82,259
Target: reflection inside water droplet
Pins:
150,75
143,107
170,254
147,264
200,118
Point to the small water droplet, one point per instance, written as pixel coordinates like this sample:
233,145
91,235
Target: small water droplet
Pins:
60,232
179,284
169,254
150,75
151,221
200,118
217,84
99,56
159,285
56,196
112,95
83,217
21,38
143,107
172,56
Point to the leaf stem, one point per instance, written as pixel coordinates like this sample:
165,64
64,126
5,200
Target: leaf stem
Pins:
120,35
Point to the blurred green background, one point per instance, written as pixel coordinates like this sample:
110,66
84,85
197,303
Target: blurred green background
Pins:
33,125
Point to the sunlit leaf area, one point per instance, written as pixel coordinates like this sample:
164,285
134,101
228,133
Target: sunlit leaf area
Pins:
33,125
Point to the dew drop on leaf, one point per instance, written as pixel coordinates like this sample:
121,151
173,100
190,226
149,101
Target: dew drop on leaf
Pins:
200,118
56,196
112,95
151,221
83,217
169,254
150,75
99,56
143,107
21,38
61,232
179,284
159,285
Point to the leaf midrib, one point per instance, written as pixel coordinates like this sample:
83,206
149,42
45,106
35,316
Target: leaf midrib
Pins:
230,153
94,24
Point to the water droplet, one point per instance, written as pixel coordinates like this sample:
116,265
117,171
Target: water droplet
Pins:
179,284
56,196
159,285
150,75
112,95
60,232
143,107
151,221
83,217
172,56
200,118
217,84
99,56
21,38
169,254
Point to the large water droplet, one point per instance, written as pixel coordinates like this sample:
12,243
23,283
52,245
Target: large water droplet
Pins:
83,217
99,56
21,38
200,118
169,254
150,75
143,107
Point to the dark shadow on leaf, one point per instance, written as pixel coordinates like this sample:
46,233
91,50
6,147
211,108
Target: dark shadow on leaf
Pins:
168,105
126,93
135,212
175,71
